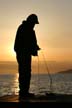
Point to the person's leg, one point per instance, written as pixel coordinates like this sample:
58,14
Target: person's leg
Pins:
24,63
27,65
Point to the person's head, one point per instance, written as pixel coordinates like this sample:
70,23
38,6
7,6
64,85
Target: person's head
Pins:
32,19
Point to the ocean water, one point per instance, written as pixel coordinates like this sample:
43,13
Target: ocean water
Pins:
40,84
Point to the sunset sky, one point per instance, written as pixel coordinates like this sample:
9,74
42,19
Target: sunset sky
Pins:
54,33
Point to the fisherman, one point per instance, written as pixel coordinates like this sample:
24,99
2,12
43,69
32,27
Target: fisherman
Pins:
25,47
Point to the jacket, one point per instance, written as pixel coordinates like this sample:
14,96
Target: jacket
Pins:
25,41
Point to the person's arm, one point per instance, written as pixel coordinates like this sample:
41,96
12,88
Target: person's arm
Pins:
35,42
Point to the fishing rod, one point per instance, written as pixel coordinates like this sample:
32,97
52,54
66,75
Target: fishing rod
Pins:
51,89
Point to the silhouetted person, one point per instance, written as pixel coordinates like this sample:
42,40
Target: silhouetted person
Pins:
26,46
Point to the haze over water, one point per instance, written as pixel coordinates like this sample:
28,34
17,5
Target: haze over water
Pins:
37,67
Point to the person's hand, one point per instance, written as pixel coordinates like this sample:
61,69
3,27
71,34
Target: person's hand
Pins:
38,48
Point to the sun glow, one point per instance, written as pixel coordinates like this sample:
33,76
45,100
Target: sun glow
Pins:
11,52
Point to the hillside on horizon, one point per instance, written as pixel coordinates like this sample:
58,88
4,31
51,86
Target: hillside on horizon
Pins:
69,71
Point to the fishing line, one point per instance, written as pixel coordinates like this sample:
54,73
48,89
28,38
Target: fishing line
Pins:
51,89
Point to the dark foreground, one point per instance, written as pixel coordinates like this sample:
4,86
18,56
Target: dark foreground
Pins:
39,98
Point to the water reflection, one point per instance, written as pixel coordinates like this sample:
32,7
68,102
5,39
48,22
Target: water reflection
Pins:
16,84
9,84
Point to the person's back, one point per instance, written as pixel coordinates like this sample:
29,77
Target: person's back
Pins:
21,40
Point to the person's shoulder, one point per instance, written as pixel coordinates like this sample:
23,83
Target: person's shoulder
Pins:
20,27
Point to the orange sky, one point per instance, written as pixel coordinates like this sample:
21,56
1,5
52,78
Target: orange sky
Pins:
54,33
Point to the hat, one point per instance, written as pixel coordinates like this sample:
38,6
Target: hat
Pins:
33,19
